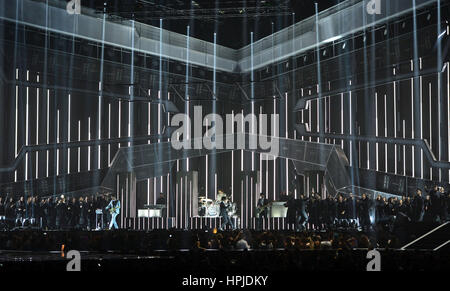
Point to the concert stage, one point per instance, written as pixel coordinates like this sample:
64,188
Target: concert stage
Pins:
204,127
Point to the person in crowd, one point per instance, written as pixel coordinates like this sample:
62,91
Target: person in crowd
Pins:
291,215
379,209
403,211
2,210
442,205
83,213
428,215
44,213
341,208
364,207
20,211
10,211
313,208
351,209
435,206
418,206
61,212
332,210
91,213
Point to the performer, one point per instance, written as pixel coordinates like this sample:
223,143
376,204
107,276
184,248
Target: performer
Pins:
261,210
162,201
20,211
2,209
61,212
303,217
224,214
291,211
364,206
114,209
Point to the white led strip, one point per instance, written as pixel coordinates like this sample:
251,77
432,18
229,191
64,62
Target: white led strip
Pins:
37,129
89,147
376,134
57,141
68,135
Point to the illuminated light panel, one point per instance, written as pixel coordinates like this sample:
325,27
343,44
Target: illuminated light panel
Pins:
89,148
68,135
57,141
79,148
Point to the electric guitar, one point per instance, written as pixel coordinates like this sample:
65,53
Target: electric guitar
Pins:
114,209
261,209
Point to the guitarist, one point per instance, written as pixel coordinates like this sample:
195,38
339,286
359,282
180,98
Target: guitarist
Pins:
114,209
261,209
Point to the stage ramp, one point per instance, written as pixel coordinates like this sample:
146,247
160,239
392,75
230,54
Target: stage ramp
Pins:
436,239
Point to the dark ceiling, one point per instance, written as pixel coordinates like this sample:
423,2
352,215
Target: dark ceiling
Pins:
232,20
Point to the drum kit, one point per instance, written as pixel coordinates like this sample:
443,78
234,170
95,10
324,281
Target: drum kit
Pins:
211,208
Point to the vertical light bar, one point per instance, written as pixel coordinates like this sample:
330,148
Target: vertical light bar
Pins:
188,133
48,128
206,177
412,120
37,128
232,158
120,120
342,119
16,125
57,141
274,160
404,148
89,148
215,183
368,156
395,124
252,78
350,126
181,202
79,148
99,128
439,122
167,197
253,132
431,123
68,135
421,122
448,104
109,134
260,155
149,120
27,112
159,112
287,136
376,134
251,197
129,117
242,151
385,134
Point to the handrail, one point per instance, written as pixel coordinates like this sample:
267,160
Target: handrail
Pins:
425,235
34,148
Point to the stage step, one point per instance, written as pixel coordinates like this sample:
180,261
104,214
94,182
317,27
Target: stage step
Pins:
437,238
